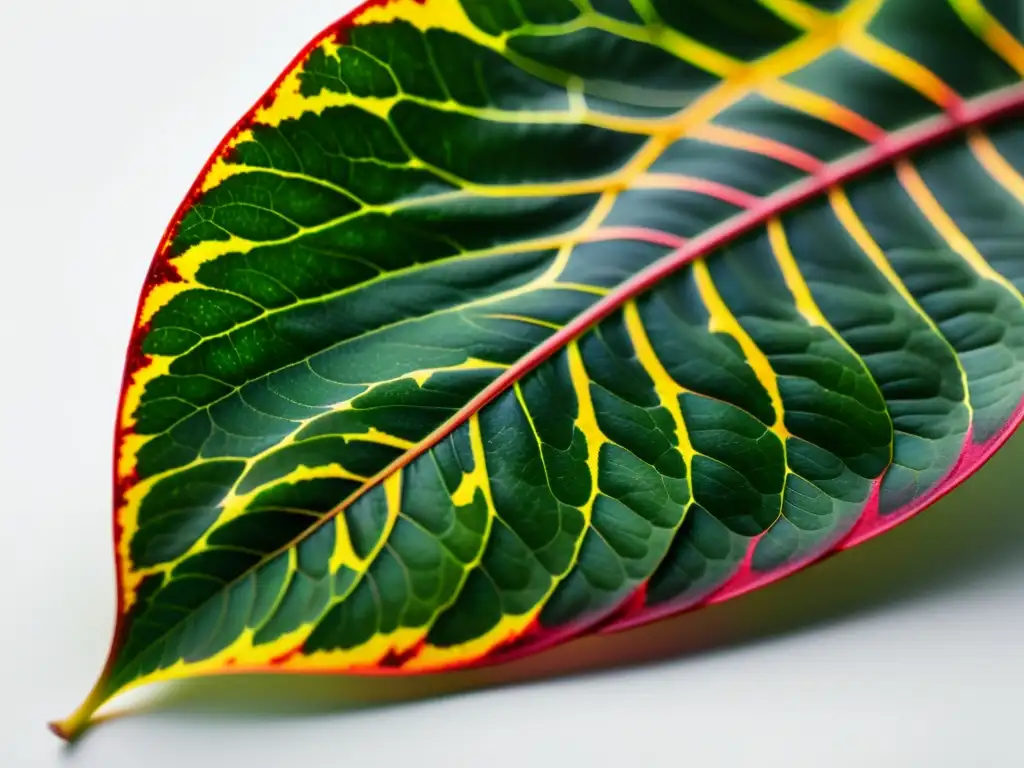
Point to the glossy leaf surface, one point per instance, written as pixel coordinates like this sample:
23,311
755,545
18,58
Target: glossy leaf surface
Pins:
502,321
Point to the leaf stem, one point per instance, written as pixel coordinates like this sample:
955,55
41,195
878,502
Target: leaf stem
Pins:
78,721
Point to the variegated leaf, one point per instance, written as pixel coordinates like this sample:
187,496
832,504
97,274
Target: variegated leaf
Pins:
497,322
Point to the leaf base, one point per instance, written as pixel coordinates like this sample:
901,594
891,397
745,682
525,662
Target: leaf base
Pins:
79,721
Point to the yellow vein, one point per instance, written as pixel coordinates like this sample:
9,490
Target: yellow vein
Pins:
524,319
594,220
798,14
586,422
661,36
805,303
666,388
901,67
722,320
997,166
595,290
988,28
847,216
823,108
944,225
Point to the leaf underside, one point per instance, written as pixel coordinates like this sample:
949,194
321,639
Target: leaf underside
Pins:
501,321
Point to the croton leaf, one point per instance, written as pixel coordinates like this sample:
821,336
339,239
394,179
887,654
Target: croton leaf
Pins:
498,322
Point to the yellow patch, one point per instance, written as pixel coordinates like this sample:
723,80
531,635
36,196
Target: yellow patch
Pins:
436,14
344,554
128,454
158,297
191,260
287,101
477,479
156,367
290,104
221,170
187,264
508,629
365,656
330,48
470,364
128,519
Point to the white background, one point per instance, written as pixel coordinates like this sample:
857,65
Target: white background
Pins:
906,652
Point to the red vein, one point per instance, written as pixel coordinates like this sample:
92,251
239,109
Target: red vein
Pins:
714,189
822,108
751,142
642,234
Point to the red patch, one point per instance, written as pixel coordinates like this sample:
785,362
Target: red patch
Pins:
279,660
397,660
634,604
515,646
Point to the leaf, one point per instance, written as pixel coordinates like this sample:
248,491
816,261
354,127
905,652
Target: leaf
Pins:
501,322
